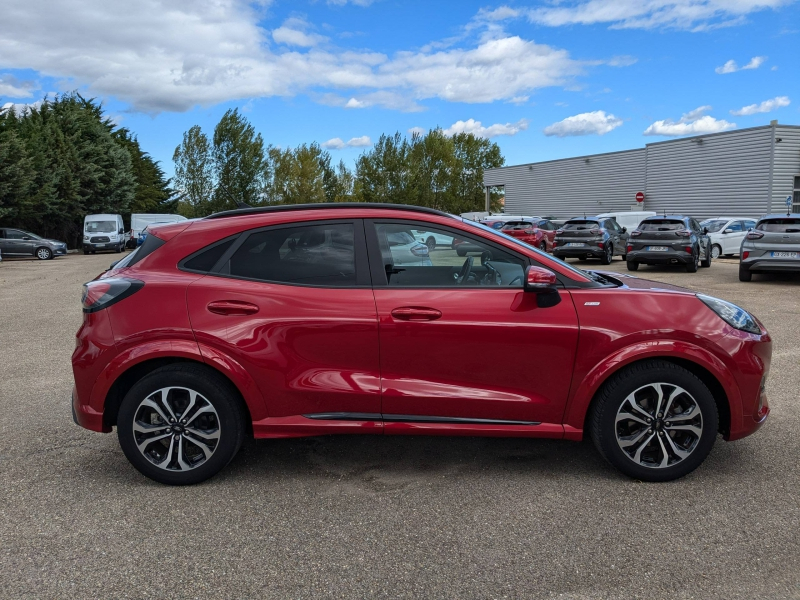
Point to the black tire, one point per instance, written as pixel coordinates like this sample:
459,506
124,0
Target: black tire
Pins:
691,267
745,274
632,265
624,257
43,253
461,251
119,248
85,251
543,246
706,262
614,393
210,385
608,254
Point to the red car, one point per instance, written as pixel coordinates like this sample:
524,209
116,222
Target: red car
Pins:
540,233
303,320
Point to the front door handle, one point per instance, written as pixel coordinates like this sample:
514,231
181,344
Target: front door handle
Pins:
416,313
232,307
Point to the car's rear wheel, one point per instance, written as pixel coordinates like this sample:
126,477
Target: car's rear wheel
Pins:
716,251
180,424
44,253
654,421
745,274
706,262
632,265
431,244
691,266
608,254
543,246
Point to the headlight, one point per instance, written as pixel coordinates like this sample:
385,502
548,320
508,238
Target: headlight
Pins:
86,238
734,316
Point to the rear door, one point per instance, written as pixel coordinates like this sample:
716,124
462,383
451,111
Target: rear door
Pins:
17,244
461,342
618,238
293,305
732,237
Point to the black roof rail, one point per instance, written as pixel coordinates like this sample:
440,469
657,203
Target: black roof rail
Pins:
324,205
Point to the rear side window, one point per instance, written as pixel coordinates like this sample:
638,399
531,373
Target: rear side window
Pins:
787,225
150,245
661,225
307,255
205,260
576,225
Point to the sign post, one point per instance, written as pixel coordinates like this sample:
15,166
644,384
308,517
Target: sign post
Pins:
788,205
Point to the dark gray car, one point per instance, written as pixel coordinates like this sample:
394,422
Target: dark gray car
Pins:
590,237
774,245
17,242
669,240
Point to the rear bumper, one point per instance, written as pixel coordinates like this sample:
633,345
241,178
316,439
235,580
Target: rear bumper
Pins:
85,416
564,252
659,258
768,264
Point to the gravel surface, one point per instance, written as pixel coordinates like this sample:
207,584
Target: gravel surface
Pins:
383,517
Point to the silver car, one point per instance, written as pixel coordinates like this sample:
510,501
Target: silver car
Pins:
774,245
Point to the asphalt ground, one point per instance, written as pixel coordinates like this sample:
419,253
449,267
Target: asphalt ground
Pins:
358,517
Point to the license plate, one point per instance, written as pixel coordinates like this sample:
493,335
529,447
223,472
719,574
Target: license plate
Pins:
657,248
573,244
784,254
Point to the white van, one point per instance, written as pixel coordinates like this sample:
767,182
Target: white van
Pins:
103,232
629,219
141,220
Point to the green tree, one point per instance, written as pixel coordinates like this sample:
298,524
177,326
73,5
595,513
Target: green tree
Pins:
194,174
240,167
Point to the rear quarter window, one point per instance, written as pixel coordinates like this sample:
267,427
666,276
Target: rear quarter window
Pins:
204,260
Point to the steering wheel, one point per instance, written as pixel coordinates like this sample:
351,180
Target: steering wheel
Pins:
463,276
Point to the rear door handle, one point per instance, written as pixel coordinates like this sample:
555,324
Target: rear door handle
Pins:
232,307
416,313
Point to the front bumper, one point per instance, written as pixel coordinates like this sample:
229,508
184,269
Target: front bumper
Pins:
103,246
660,258
60,251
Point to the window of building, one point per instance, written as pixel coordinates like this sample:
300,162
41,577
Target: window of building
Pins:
796,195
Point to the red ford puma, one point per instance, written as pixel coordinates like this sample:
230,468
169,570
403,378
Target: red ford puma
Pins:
308,320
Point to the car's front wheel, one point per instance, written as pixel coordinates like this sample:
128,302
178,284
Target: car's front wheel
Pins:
716,251
44,253
654,421
180,424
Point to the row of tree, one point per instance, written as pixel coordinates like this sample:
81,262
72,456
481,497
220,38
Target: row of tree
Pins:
64,159
434,170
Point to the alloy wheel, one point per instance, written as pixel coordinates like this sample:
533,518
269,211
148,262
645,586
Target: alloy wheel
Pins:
658,425
176,429
715,251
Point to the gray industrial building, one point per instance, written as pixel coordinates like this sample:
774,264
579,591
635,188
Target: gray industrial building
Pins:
746,172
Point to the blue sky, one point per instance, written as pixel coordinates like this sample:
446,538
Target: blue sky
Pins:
544,80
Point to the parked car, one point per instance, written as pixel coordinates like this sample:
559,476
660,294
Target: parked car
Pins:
432,240
233,324
590,237
18,242
726,234
103,232
404,250
539,233
629,219
772,246
673,239
497,221
141,220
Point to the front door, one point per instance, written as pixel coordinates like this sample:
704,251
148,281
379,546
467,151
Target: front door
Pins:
294,306
460,340
732,237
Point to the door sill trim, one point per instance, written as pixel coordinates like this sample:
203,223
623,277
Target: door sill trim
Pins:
348,416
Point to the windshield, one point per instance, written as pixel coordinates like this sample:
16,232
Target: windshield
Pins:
580,225
714,225
580,272
661,225
101,226
788,225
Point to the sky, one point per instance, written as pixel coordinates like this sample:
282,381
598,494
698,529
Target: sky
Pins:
544,80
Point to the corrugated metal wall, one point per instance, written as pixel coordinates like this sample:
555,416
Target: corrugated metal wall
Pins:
711,175
572,186
704,176
787,165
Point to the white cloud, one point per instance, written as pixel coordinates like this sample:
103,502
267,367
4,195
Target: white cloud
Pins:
293,32
695,122
11,87
356,142
732,67
591,123
697,15
417,131
20,108
765,107
474,127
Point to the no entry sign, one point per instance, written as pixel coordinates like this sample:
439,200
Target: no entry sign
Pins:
640,196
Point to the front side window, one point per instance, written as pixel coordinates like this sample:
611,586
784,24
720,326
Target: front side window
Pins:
735,226
16,234
321,254
467,262
714,225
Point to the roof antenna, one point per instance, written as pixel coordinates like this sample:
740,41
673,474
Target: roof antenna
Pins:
238,203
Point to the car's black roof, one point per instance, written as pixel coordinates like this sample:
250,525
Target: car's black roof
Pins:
324,206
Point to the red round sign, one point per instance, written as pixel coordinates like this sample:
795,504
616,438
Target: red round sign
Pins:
640,196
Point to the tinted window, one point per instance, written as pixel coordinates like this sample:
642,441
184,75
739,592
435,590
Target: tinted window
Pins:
787,225
16,234
469,262
306,255
694,224
749,224
150,245
661,225
580,225
207,258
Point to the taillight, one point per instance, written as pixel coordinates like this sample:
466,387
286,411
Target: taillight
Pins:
102,293
688,249
754,235
595,231
421,250
636,233
630,248
745,255
683,233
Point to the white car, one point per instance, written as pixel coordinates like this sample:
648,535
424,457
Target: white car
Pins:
432,239
727,233
406,251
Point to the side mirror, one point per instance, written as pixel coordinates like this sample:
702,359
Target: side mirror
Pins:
705,230
121,230
539,280
728,231
624,230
